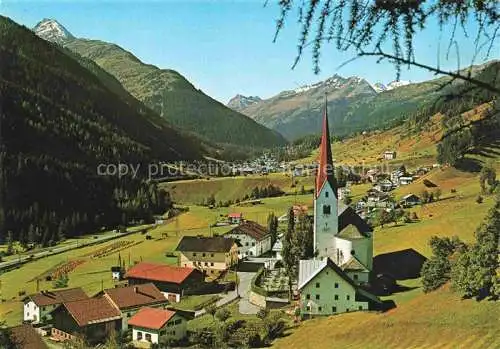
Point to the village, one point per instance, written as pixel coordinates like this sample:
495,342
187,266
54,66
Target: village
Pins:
247,264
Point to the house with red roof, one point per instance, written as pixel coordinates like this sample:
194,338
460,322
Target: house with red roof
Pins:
172,281
235,218
149,324
132,298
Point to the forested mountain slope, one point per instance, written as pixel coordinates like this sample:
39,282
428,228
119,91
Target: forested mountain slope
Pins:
59,122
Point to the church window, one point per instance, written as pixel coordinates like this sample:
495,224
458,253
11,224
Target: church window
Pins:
334,309
317,297
336,285
326,209
326,194
348,297
336,297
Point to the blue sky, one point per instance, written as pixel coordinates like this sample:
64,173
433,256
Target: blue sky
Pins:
222,47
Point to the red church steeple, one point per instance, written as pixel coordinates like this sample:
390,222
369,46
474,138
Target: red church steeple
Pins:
325,168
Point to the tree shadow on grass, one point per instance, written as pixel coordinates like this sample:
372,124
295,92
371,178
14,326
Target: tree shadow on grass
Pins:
468,165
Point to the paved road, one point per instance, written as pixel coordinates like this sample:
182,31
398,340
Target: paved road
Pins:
245,306
67,247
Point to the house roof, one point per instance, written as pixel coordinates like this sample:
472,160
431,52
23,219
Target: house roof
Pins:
134,296
92,310
325,168
349,217
410,196
308,269
159,272
26,337
205,244
353,264
151,318
235,215
252,229
45,298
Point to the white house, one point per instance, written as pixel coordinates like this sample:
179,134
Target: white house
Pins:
254,240
405,180
149,324
389,155
38,306
235,218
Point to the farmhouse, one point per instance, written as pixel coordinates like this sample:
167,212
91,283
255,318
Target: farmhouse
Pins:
172,281
212,255
325,290
149,324
92,318
389,155
410,200
37,307
253,239
384,185
130,299
235,218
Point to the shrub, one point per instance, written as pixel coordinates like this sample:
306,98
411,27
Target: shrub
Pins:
479,199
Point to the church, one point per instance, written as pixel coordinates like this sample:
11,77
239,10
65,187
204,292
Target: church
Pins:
333,281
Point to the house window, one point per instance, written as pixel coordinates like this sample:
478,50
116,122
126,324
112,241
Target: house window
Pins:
211,254
355,276
334,309
308,296
139,336
206,264
148,337
246,243
326,194
317,297
194,254
317,284
336,297
360,307
178,321
336,285
320,309
348,297
162,333
308,308
129,314
353,252
253,243
347,310
203,254
212,264
251,253
326,209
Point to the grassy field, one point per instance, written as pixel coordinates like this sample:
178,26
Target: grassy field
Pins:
232,188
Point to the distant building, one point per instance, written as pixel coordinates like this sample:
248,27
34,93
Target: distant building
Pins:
212,255
149,324
389,155
254,239
384,185
116,273
172,281
405,180
410,200
93,318
37,307
131,298
235,218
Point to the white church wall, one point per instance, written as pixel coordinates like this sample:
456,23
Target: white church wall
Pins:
325,225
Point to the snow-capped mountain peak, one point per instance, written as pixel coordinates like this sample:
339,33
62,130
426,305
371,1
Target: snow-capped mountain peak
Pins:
380,87
52,30
239,102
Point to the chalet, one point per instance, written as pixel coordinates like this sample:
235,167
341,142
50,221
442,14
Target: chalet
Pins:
396,175
235,218
325,289
26,337
384,185
131,298
372,175
172,281
93,318
212,255
389,155
37,307
149,324
405,180
410,200
254,239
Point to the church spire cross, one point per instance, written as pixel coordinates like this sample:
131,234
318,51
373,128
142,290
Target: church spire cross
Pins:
325,168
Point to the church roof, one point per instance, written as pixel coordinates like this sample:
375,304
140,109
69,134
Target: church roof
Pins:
325,169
